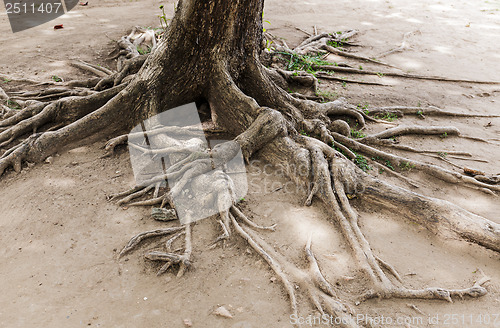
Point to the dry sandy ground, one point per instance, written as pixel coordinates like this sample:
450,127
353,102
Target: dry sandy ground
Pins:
58,263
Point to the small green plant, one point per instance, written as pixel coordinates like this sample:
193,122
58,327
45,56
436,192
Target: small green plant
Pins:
420,114
441,154
380,74
390,117
356,134
360,67
56,78
268,45
389,165
406,166
266,21
337,43
143,51
302,132
4,80
242,199
163,18
327,95
344,84
334,44
444,135
362,163
12,104
264,29
363,106
305,63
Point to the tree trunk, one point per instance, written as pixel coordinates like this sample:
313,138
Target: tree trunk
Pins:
206,43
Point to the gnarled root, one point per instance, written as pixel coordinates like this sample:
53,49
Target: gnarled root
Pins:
435,171
465,225
438,216
81,120
311,281
183,260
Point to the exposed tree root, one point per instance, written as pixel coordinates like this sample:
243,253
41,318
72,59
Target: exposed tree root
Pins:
341,79
392,144
129,66
433,170
396,174
308,97
401,130
3,95
440,217
439,154
402,47
395,74
8,78
400,111
443,131
321,43
51,94
354,56
136,240
183,260
94,69
301,78
383,286
238,214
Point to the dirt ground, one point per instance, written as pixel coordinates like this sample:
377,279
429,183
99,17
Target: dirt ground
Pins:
60,237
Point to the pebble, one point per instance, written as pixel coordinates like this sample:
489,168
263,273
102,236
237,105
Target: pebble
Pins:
223,312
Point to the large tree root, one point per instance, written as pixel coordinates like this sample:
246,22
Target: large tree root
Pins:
251,103
420,111
332,43
396,74
331,170
402,47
